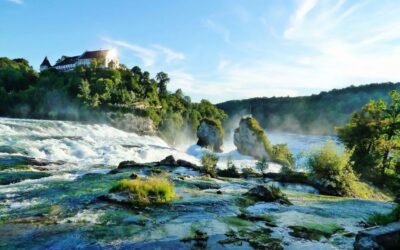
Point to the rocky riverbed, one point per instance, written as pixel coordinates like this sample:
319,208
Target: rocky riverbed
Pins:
54,175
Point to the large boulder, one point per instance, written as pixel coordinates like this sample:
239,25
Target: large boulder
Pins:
383,237
170,161
210,134
250,139
268,194
132,123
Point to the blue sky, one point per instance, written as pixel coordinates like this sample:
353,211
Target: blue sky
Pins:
218,49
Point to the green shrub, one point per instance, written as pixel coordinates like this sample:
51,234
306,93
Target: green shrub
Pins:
230,171
249,172
209,162
333,168
383,219
153,190
282,155
262,165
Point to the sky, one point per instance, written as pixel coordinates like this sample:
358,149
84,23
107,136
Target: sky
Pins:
218,49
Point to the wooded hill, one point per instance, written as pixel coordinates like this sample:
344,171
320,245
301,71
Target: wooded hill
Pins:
316,114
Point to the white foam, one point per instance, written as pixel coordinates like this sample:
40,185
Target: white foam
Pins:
83,145
85,216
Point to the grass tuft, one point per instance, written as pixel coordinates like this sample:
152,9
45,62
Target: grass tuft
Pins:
153,190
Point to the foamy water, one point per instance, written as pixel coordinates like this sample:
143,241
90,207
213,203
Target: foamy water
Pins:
81,145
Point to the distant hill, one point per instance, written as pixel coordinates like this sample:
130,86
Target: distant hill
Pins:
316,114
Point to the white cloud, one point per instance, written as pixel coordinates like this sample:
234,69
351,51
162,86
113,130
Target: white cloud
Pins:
148,56
16,1
218,28
297,19
170,55
327,44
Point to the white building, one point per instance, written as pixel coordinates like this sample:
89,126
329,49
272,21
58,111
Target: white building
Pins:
105,58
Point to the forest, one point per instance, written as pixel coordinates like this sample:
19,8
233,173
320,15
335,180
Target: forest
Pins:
315,114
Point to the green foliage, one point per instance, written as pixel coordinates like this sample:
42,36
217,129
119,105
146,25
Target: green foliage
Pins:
209,162
249,172
334,169
373,134
311,231
282,155
309,114
16,75
230,171
262,165
153,190
383,219
88,93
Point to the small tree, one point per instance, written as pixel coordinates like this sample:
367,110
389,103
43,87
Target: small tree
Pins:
330,165
209,162
262,165
230,171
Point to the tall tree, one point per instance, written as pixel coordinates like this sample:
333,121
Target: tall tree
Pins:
163,79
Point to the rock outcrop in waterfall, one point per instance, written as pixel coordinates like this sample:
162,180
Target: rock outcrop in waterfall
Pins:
250,139
132,123
210,134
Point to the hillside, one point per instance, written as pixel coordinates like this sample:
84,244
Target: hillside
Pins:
317,114
94,94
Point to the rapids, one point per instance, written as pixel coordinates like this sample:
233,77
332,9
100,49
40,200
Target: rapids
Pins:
51,173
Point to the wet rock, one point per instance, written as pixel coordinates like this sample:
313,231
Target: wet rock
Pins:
187,164
18,176
210,134
14,160
199,237
170,161
269,221
133,176
304,178
11,150
36,219
382,237
268,194
157,171
115,171
134,220
206,185
132,123
250,139
120,198
133,164
219,192
314,232
258,239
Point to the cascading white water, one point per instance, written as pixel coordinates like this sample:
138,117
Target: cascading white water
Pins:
82,145
67,199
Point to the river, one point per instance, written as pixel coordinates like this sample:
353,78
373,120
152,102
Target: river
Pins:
51,173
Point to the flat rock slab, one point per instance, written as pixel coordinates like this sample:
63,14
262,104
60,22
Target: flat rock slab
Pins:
382,237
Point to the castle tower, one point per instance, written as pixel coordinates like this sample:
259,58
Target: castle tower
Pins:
45,64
